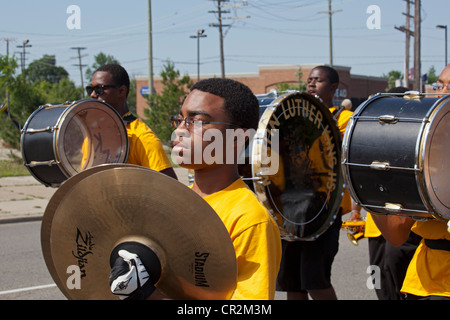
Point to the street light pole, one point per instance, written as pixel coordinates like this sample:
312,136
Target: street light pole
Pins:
445,28
200,34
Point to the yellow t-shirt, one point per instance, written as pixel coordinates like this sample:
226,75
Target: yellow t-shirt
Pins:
371,230
342,121
255,237
429,270
145,148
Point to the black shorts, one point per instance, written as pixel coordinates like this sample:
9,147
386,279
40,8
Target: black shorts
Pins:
306,265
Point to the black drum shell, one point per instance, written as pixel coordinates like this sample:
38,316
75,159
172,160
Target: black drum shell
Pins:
39,146
402,141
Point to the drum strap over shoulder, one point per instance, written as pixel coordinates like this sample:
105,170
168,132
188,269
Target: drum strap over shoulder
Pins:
128,118
336,113
439,244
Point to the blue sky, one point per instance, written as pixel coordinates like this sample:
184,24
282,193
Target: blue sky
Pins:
276,32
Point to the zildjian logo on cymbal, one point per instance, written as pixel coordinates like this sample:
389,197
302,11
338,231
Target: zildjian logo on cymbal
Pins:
84,247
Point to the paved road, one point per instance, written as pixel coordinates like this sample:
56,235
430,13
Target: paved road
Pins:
25,276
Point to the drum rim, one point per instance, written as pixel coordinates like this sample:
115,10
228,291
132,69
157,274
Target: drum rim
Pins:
423,152
260,189
62,125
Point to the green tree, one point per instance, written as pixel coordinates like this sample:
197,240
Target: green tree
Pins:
392,76
432,77
100,60
24,98
45,69
168,102
60,92
299,86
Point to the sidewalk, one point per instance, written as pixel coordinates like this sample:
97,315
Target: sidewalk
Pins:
25,199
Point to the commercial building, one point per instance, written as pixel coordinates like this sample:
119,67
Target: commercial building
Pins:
354,87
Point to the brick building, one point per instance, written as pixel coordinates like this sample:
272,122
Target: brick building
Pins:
354,87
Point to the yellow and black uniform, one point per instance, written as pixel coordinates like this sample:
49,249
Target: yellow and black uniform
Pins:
342,120
429,271
145,148
256,240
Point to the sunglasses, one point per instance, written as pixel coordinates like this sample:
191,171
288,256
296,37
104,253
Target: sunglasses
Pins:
438,86
100,88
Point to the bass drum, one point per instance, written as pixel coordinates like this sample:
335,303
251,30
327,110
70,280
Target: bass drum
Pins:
58,141
395,154
295,165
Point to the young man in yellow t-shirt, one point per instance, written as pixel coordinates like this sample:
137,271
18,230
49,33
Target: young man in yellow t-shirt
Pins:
224,106
110,83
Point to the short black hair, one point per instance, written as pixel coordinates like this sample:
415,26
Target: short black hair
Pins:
398,90
332,74
118,73
240,103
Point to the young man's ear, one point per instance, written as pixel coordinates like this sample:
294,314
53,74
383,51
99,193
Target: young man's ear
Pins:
123,90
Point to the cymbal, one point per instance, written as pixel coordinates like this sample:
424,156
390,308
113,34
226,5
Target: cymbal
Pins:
53,205
90,216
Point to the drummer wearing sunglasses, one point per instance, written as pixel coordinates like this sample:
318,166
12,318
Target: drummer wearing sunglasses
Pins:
111,83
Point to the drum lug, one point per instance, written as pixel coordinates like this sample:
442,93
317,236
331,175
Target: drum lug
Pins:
388,119
382,166
47,129
393,207
45,163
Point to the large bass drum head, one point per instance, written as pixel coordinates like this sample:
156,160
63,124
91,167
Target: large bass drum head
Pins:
295,156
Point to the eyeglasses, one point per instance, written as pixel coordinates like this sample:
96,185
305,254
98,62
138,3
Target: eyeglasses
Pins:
190,122
440,86
100,88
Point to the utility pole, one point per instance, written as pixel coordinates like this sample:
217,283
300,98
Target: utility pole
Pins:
200,34
439,26
7,40
81,67
220,25
150,50
23,47
330,28
408,34
417,36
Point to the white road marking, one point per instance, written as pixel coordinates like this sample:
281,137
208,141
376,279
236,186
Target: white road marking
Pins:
28,289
